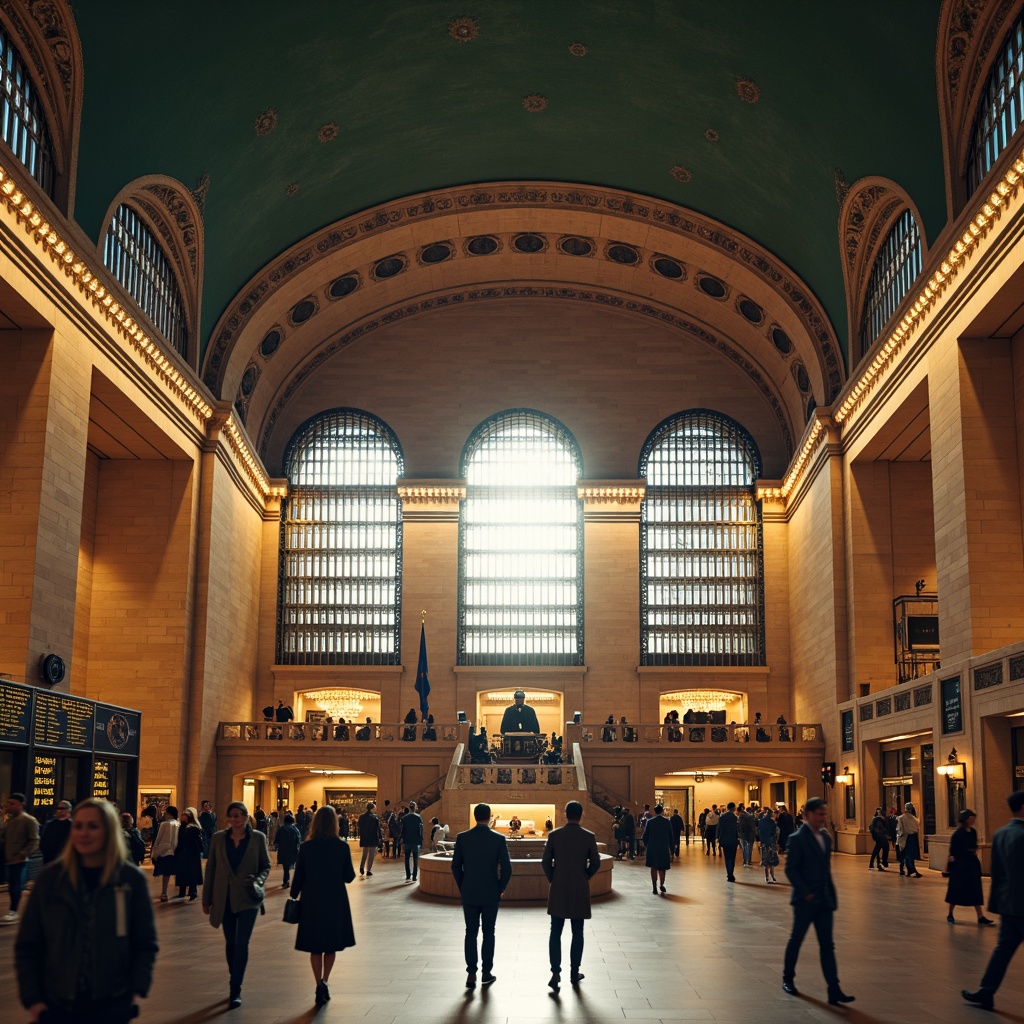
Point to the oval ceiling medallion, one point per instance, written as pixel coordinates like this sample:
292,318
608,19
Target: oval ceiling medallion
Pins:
751,310
780,339
528,243
270,344
436,253
668,268
302,311
711,286
625,254
342,286
388,267
482,245
576,246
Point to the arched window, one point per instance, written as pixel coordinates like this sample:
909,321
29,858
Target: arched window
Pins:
896,268
22,120
521,544
341,544
701,558
1001,108
133,255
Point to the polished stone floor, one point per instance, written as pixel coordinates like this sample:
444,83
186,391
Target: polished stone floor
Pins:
708,951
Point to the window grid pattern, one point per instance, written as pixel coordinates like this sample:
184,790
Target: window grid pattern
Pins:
22,121
134,257
1001,109
341,544
893,274
701,554
521,544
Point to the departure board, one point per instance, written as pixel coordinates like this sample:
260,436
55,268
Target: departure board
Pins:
44,780
63,721
15,712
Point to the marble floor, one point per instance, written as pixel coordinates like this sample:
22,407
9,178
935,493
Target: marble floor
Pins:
708,951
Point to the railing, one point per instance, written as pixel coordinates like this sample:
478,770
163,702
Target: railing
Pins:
539,776
695,734
333,732
428,794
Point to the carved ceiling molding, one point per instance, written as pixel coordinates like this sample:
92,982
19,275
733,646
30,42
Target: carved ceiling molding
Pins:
769,389
45,34
969,35
869,211
601,204
170,211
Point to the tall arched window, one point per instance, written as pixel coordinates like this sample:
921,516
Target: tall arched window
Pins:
133,255
1001,109
893,274
701,559
22,120
341,544
521,544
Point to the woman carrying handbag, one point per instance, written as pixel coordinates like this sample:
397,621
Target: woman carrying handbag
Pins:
236,871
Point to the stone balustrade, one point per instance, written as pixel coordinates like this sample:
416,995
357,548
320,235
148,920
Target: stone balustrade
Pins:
370,733
642,735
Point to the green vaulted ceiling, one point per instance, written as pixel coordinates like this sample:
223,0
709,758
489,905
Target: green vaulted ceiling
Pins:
759,105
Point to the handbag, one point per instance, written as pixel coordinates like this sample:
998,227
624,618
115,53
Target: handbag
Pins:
292,911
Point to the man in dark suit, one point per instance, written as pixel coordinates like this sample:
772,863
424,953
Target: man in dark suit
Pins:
482,869
570,860
1006,898
809,870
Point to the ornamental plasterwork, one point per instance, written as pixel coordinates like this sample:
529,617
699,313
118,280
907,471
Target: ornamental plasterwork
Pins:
611,492
510,195
432,492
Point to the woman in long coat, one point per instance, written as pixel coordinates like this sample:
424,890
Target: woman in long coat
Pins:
657,840
907,829
288,839
964,889
188,856
325,922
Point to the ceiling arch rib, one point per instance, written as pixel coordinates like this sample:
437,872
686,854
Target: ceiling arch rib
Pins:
506,235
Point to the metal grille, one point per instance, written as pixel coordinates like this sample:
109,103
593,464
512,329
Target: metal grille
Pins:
1001,109
341,544
895,270
701,558
22,121
135,258
521,544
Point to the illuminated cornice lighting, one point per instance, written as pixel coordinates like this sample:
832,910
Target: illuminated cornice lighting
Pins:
814,438
701,700
254,468
508,696
956,260
341,703
598,492
432,493
334,771
78,268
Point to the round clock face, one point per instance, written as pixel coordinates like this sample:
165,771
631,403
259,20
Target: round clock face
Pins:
117,731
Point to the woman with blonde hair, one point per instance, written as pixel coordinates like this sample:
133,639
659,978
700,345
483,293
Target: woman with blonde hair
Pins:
325,923
87,942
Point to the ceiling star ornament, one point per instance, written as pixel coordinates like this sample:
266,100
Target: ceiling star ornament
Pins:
711,135
328,132
747,90
266,122
463,30
535,103
291,188
578,49
681,173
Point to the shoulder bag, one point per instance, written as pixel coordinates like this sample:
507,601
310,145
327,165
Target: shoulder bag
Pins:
292,911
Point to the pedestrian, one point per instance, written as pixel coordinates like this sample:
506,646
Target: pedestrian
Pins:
55,834
236,872
21,840
964,870
188,855
711,831
321,879
748,833
133,839
628,826
786,826
273,824
907,829
657,840
412,840
162,852
570,860
880,837
813,898
482,869
282,713
768,834
678,825
288,840
208,823
87,943
370,838
729,839
1006,898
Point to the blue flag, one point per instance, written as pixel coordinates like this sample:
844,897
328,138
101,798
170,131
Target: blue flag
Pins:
422,682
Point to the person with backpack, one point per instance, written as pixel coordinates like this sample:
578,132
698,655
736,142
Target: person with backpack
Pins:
288,840
133,839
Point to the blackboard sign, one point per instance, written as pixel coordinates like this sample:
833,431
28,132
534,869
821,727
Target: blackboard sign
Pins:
63,721
15,709
952,714
116,731
847,730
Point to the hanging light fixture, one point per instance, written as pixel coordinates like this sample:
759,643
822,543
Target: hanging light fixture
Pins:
339,703
701,700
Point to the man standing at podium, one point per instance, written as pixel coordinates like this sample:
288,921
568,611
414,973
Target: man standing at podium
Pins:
520,717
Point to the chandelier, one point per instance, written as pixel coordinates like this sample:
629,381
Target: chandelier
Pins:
347,704
701,700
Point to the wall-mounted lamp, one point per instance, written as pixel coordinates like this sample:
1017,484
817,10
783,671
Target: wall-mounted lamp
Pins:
846,778
954,770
